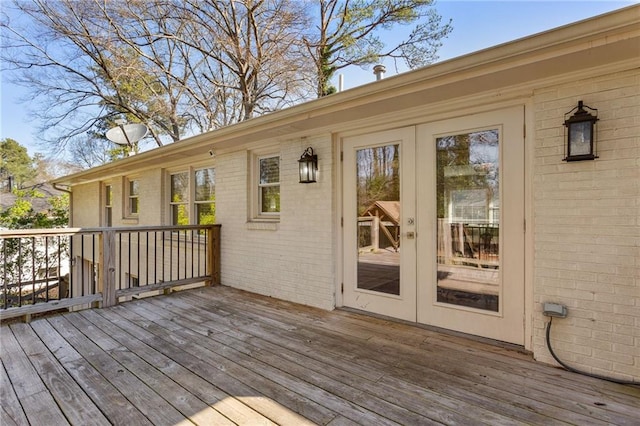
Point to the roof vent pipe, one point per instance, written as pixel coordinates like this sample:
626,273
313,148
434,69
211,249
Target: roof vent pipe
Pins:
379,71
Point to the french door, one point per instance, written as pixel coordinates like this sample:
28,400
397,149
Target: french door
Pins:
433,221
471,208
379,223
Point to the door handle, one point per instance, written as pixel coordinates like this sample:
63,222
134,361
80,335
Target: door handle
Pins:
410,235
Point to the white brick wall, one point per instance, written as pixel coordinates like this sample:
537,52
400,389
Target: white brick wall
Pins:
293,258
85,199
587,228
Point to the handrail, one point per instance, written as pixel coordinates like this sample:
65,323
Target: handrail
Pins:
101,266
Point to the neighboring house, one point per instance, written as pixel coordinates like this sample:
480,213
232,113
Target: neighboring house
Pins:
492,224
40,203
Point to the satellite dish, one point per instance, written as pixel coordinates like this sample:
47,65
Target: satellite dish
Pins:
127,134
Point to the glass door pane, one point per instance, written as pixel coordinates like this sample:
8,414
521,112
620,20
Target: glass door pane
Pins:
468,214
378,218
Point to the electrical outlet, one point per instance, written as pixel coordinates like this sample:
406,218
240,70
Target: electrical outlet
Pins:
554,310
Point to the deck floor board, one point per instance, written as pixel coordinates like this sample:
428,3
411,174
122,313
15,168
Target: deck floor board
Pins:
221,356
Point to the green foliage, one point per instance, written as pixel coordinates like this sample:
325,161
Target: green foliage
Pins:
25,258
16,163
21,214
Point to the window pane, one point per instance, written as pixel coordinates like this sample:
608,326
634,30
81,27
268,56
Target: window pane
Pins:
179,214
468,232
134,187
378,219
179,187
270,199
206,213
205,185
134,205
108,195
270,170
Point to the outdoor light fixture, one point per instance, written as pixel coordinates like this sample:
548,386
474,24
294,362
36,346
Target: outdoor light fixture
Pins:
308,164
581,135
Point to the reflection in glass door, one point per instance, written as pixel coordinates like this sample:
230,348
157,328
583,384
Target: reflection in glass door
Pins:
468,212
378,218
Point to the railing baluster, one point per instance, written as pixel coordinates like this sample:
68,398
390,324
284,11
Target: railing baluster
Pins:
147,260
207,237
138,252
155,256
20,272
4,275
128,282
59,269
93,264
171,255
198,235
71,274
120,260
33,270
164,243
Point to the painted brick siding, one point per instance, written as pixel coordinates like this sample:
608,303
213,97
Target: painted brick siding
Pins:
291,259
587,228
88,205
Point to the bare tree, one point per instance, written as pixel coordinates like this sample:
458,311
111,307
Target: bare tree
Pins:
256,47
348,33
71,60
177,67
184,67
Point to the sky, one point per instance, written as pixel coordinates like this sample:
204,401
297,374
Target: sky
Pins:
499,22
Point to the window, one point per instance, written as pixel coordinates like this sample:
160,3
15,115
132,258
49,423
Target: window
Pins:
133,194
205,200
108,204
268,186
192,197
179,198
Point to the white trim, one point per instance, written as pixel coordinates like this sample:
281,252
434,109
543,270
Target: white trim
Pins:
255,205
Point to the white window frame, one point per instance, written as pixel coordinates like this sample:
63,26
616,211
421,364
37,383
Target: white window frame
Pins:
191,202
129,197
185,202
256,187
108,204
193,184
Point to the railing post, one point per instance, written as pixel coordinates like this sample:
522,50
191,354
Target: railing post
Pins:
213,255
107,268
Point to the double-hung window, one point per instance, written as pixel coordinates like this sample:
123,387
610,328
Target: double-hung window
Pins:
133,197
205,199
268,186
192,197
179,202
108,205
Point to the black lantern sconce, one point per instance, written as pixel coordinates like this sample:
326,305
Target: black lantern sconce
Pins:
308,164
581,134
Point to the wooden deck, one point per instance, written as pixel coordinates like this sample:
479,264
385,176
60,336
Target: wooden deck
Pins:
217,356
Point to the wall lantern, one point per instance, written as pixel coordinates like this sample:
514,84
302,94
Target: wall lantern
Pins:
581,134
308,164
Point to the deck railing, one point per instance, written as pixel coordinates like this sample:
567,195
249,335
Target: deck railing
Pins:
49,269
